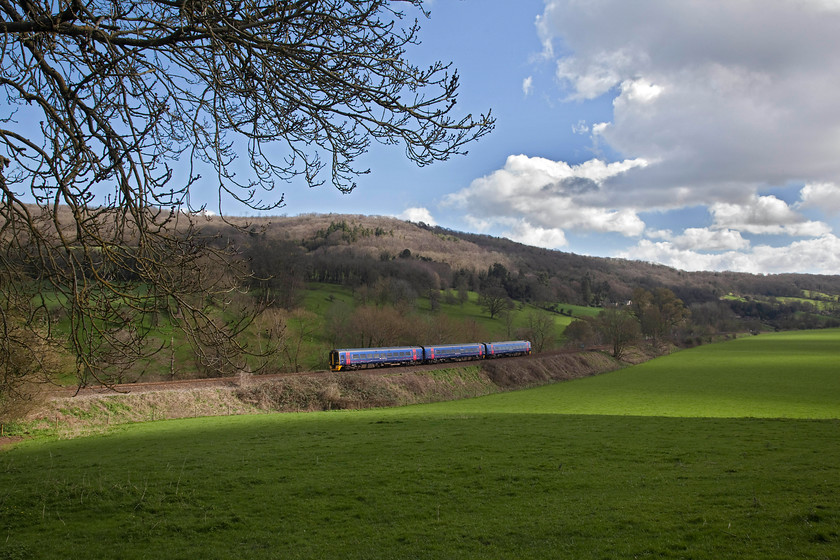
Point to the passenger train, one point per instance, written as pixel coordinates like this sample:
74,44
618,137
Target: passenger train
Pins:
358,358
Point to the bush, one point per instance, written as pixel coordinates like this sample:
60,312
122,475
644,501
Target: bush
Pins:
28,364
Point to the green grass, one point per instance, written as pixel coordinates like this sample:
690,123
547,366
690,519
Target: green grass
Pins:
819,304
664,460
822,302
790,375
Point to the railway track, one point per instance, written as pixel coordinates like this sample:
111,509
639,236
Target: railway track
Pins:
210,382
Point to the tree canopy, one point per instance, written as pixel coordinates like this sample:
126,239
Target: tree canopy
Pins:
114,110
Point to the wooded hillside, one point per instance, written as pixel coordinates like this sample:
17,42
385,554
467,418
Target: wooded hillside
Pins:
361,251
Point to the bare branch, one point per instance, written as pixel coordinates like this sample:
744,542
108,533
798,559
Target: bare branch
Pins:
115,108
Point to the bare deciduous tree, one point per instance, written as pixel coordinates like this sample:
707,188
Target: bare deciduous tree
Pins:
618,329
113,110
541,330
658,313
494,300
28,360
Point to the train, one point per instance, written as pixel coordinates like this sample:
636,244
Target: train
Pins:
358,358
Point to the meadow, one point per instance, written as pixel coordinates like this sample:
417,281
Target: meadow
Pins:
722,451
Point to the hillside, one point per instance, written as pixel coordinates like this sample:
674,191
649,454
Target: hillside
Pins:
337,281
355,250
374,237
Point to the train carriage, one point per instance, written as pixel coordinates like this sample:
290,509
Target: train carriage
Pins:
512,348
356,358
454,352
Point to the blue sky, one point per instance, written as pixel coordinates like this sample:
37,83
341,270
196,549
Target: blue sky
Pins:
700,134
696,134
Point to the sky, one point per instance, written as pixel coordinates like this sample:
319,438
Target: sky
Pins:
700,134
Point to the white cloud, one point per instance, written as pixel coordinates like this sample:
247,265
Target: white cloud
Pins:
477,223
580,127
816,256
547,194
765,215
713,103
599,128
659,234
528,85
722,98
595,76
547,238
824,196
705,239
640,91
418,215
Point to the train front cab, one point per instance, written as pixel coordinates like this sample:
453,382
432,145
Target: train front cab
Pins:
335,360
357,358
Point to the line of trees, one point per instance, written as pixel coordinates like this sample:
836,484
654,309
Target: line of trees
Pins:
654,316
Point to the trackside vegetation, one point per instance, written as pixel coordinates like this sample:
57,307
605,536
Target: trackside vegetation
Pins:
722,451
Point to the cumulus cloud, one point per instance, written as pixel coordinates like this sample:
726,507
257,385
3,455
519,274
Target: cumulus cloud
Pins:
659,234
640,91
825,196
416,214
536,236
550,197
816,256
705,239
765,215
720,97
714,104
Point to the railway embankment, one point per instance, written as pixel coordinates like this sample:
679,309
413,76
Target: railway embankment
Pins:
93,412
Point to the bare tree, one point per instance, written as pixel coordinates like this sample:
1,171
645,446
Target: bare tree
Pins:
28,360
541,330
658,313
494,300
618,329
581,332
113,110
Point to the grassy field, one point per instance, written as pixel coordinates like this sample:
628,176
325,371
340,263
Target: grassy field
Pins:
820,301
778,375
725,451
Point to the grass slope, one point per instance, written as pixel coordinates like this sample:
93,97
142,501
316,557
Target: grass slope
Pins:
507,476
790,375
